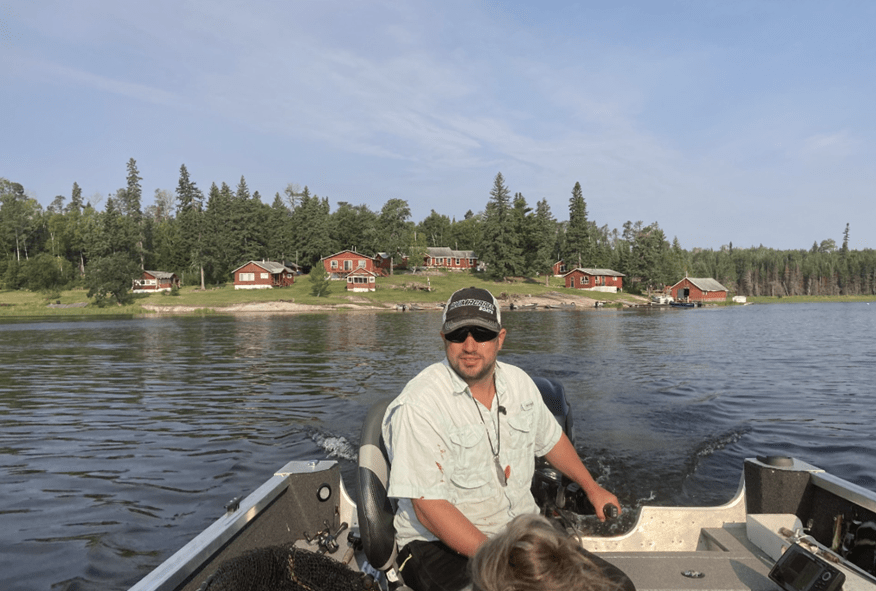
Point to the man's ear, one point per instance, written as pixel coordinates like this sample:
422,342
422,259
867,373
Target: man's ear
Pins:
501,338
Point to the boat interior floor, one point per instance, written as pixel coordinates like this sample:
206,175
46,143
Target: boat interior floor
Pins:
727,561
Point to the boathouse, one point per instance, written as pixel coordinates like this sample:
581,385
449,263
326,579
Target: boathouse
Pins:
694,289
605,280
152,281
263,275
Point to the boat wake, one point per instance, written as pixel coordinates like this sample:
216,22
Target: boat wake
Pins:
335,447
708,447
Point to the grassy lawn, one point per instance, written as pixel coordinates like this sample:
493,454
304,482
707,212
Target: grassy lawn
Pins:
809,299
407,288
400,288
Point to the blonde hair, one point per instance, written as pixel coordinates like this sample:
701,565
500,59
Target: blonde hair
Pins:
531,555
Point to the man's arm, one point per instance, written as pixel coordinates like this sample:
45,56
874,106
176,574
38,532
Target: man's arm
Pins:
449,524
564,458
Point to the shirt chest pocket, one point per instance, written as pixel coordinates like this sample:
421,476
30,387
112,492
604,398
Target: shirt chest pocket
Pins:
521,425
521,445
471,459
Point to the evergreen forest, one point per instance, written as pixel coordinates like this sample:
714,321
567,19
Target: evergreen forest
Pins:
203,236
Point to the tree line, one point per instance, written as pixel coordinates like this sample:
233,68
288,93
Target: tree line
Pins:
204,237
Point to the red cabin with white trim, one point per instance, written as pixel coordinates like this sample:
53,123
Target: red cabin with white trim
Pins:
595,279
152,281
263,275
341,264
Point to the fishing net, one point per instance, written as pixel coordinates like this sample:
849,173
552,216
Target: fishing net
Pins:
284,568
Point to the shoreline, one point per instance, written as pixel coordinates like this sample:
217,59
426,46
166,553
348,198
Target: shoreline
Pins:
539,302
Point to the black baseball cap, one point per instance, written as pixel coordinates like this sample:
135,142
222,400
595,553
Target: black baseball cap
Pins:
471,306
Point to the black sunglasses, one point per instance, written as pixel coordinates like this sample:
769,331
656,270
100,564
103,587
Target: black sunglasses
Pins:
481,335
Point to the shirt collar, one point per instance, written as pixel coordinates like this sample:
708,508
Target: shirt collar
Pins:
460,387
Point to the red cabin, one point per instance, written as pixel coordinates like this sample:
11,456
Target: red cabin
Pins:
263,275
152,281
595,279
341,264
443,257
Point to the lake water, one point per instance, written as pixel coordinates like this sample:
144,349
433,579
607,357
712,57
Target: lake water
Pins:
120,439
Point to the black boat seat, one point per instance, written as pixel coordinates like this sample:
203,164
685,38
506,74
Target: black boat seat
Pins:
376,509
554,395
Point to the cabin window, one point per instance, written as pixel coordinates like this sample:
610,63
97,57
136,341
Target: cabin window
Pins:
334,264
247,276
266,276
348,265
362,264
585,280
456,262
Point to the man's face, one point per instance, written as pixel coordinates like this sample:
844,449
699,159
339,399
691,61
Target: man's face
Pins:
474,361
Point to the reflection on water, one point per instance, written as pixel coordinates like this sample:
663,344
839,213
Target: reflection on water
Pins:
122,438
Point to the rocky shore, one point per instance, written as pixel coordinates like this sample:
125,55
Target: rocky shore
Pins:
354,303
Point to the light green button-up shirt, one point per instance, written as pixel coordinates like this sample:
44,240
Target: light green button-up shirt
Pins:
439,447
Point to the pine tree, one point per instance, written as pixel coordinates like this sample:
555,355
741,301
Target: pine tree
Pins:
578,250
279,232
190,217
129,202
545,234
312,223
76,203
320,281
500,249
219,244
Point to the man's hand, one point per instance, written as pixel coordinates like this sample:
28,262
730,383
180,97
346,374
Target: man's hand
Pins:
600,497
564,458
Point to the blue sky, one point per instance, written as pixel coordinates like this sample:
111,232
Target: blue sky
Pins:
743,122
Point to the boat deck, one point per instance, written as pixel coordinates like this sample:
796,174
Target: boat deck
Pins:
670,549
731,562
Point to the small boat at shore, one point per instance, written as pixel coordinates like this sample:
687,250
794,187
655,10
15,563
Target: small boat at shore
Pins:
685,304
531,306
560,305
789,526
661,300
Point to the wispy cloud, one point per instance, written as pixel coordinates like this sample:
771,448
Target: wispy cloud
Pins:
646,105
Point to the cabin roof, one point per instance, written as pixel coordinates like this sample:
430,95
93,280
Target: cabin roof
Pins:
446,251
358,254
269,266
705,283
600,272
161,274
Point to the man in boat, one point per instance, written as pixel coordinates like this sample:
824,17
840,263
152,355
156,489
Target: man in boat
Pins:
462,439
